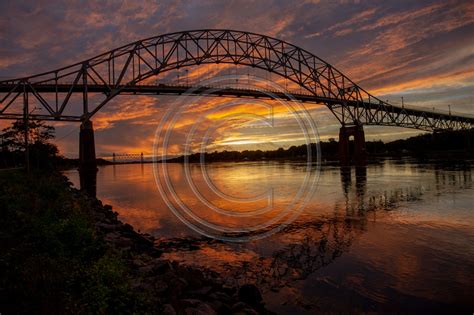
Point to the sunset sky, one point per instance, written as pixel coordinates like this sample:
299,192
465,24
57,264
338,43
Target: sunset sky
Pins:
421,50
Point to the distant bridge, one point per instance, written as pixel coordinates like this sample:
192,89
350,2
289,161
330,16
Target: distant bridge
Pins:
126,157
127,70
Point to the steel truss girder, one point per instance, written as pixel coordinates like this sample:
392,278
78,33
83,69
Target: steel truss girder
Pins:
120,71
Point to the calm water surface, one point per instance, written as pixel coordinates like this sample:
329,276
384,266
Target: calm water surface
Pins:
395,236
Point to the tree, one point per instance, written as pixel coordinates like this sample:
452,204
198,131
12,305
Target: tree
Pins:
42,152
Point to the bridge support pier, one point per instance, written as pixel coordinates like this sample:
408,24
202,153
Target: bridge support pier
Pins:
87,161
359,154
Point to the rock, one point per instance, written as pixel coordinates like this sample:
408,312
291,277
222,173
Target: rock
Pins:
204,291
230,290
160,266
127,227
124,242
107,226
201,309
194,278
146,269
247,311
221,296
112,237
138,262
190,302
149,237
177,286
250,294
175,264
221,308
168,310
154,252
206,309
242,308
160,286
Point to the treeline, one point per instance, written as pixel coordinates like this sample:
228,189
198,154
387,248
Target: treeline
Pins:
459,141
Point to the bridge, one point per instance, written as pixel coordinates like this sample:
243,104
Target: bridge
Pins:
130,69
127,157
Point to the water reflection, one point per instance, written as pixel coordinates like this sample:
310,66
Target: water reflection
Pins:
88,182
317,243
372,235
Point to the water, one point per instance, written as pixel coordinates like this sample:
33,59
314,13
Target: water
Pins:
396,236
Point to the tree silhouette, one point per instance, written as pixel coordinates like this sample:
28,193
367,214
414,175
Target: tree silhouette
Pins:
42,152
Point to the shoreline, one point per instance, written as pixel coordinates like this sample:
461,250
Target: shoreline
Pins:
158,285
181,289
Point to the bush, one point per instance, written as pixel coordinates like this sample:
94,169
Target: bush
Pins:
52,261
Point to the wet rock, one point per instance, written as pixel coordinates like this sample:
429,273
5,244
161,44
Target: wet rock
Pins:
250,294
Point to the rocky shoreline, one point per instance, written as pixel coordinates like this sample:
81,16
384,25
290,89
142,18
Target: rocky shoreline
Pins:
175,288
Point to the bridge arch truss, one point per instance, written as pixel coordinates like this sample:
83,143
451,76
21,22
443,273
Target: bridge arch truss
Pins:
126,69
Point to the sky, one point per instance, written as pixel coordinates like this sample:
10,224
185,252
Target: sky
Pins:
421,50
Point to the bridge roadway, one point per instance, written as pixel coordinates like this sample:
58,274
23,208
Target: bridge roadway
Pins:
226,91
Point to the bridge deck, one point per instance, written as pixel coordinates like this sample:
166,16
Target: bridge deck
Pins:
163,89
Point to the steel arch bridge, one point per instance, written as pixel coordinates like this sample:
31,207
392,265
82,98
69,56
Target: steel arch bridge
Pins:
123,70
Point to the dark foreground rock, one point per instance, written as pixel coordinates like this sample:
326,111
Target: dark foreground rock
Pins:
175,288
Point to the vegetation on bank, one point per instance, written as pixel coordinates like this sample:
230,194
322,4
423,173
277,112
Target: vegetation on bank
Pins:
418,146
52,258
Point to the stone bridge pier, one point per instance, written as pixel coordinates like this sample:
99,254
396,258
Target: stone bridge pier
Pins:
87,161
358,154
